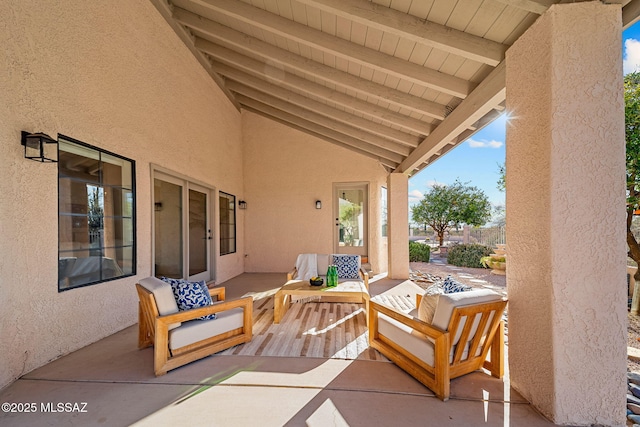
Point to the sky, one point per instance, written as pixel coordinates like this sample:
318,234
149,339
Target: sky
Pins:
476,160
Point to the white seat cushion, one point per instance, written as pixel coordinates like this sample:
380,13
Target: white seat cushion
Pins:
197,330
163,294
407,338
354,282
411,340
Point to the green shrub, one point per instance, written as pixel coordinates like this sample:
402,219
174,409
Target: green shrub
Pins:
468,255
419,252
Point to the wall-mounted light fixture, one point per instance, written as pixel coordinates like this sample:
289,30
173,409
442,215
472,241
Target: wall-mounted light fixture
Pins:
242,204
318,204
39,147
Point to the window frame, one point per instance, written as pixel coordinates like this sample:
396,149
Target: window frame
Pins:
230,197
101,185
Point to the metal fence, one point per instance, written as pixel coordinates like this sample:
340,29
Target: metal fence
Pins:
489,236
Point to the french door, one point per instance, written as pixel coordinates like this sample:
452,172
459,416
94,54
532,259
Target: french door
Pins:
351,218
183,237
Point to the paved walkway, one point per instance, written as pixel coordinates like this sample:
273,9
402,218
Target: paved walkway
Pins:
476,277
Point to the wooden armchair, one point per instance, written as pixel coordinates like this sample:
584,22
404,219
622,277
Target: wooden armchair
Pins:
451,345
179,337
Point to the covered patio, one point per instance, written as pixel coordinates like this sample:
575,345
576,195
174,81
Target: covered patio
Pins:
116,382
277,109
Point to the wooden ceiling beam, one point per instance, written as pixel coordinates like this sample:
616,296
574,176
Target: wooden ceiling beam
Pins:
534,6
339,47
256,69
247,85
272,54
489,93
244,94
630,9
630,13
415,29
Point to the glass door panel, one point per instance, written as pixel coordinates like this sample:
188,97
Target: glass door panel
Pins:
350,209
199,234
168,229
181,228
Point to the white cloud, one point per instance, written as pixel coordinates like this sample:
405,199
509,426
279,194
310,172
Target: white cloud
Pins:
415,196
433,182
631,56
485,144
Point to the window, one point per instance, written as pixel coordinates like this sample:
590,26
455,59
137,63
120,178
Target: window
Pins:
383,210
96,215
227,223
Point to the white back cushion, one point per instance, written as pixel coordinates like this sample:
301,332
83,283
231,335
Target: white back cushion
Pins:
323,264
162,292
447,302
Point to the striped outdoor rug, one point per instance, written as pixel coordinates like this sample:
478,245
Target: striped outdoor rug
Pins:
311,329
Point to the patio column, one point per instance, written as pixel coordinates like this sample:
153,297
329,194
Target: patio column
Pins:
565,202
398,225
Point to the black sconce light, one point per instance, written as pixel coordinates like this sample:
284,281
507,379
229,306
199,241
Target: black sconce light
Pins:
318,204
242,204
39,147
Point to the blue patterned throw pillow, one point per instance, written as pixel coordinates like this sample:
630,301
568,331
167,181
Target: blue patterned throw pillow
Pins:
347,266
190,295
451,286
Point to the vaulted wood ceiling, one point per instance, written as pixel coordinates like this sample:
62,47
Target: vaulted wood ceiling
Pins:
401,81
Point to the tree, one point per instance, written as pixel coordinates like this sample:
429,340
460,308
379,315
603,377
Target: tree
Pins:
499,217
501,185
448,206
96,213
349,214
632,139
499,212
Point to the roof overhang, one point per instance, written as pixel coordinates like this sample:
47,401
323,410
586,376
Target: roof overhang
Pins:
400,86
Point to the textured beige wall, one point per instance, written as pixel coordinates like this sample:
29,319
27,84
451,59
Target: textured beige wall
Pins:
565,215
286,171
114,75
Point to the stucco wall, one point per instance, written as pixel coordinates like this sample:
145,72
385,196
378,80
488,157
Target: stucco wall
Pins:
286,172
398,231
114,75
565,215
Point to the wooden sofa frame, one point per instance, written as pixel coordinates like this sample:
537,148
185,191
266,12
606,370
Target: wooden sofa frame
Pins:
437,377
153,330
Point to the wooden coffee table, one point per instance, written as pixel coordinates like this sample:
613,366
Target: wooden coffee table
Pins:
352,291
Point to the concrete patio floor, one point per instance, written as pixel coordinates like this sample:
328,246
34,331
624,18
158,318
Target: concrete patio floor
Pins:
113,384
